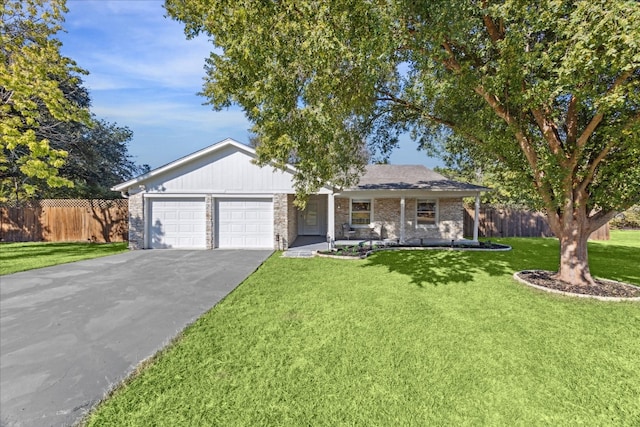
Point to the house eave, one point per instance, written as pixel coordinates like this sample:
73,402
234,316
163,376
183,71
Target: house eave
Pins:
136,184
412,192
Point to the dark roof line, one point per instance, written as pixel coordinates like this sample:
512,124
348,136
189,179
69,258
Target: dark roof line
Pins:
409,177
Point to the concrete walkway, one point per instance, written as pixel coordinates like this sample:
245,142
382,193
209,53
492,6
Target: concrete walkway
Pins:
306,246
70,333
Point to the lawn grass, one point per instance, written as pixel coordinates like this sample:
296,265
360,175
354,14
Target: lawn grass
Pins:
400,338
623,238
15,257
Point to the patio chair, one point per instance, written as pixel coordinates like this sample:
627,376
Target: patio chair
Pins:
347,231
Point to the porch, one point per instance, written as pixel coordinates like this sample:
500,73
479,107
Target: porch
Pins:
381,218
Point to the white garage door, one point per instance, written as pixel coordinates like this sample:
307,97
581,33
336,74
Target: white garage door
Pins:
177,224
245,223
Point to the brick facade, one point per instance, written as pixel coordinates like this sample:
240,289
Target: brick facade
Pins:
292,219
209,207
285,221
280,219
386,219
136,221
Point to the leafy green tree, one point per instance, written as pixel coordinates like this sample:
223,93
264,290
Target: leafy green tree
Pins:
627,219
546,90
31,73
98,159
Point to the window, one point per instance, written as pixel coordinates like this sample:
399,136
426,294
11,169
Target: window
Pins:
426,212
360,212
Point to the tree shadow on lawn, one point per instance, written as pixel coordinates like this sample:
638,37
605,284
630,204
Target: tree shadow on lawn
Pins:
610,261
437,267
441,267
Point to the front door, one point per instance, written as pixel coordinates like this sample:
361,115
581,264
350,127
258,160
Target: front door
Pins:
311,221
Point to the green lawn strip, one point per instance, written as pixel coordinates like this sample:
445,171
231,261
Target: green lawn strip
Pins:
617,258
15,257
401,338
623,238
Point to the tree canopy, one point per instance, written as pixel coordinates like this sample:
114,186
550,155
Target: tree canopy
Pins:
50,144
31,73
546,93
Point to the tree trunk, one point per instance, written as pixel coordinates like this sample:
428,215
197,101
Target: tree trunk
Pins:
574,259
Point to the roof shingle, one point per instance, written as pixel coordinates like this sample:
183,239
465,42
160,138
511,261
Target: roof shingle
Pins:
409,177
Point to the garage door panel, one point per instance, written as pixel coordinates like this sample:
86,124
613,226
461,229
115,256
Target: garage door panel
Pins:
245,223
178,223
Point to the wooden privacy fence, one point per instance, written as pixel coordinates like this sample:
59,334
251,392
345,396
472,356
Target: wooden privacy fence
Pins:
505,222
65,220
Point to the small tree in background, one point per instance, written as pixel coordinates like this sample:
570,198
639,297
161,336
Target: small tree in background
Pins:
31,73
51,146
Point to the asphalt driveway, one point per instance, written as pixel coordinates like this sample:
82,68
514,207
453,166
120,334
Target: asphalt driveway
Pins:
69,333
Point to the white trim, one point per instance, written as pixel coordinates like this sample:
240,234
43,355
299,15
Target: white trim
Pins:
218,220
135,182
146,212
204,194
361,199
437,216
331,216
409,194
243,195
148,215
402,218
476,218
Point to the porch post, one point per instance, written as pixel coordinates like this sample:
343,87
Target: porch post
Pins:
402,205
331,216
476,216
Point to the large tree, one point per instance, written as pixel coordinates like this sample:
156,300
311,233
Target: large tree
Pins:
548,91
97,159
32,71
97,156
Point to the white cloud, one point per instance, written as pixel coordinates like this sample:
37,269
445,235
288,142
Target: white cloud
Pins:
144,74
132,45
166,113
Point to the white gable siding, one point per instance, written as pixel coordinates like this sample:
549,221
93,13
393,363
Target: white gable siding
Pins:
224,171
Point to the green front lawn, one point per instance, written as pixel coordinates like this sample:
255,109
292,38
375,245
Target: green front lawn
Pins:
16,257
401,338
624,238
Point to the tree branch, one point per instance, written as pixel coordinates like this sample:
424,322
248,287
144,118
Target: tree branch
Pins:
588,179
600,218
595,121
572,120
532,158
450,63
495,33
389,97
550,132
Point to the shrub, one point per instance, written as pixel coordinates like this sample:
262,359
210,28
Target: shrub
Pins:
627,219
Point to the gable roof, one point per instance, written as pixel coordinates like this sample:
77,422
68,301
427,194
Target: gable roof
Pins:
376,177
189,159
409,177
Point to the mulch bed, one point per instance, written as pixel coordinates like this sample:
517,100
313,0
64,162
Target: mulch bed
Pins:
602,288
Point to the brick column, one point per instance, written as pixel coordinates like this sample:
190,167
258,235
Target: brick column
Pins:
136,221
280,222
209,215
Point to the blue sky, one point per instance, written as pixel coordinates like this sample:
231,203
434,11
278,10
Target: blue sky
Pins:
144,74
